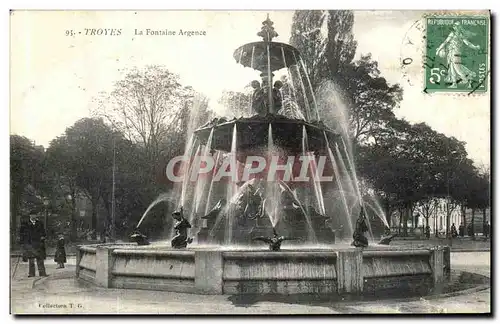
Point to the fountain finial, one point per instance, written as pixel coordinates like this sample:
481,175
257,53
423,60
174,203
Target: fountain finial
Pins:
267,31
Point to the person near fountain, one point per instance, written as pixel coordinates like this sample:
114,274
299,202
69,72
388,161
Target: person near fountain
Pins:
60,255
32,234
470,230
453,231
181,239
274,241
428,232
361,228
461,230
486,230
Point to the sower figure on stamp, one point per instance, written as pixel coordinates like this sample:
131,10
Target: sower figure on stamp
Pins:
33,242
181,239
452,50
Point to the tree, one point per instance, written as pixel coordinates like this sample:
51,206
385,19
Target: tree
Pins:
26,172
307,37
482,194
370,98
152,109
237,104
61,165
475,198
146,106
84,160
324,55
414,165
334,74
428,207
156,116
454,175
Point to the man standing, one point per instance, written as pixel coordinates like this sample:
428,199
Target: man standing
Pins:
33,240
486,229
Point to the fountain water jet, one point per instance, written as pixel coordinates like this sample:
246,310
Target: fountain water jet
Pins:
200,183
306,101
188,153
314,173
161,197
209,195
231,186
310,87
339,183
356,182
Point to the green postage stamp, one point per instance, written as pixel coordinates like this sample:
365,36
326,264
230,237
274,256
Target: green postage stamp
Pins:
457,54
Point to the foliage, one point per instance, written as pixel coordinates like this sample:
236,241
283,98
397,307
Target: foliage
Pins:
235,103
26,174
326,41
324,55
146,106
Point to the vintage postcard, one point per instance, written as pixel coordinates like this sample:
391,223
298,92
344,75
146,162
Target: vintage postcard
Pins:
250,162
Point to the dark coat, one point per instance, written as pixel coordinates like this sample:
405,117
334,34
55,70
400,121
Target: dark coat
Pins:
33,239
60,256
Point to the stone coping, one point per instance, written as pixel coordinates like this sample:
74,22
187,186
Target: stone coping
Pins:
173,253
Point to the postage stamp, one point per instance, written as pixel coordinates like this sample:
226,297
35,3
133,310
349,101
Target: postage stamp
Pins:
457,54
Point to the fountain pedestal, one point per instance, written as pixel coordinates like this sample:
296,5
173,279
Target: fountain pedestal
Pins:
208,272
349,272
103,262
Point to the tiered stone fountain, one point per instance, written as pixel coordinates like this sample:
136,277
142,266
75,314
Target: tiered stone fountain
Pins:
227,216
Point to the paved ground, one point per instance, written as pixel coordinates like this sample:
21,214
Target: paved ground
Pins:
61,293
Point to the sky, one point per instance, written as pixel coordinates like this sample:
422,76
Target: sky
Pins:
55,77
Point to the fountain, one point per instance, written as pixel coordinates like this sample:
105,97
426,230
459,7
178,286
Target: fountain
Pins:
273,172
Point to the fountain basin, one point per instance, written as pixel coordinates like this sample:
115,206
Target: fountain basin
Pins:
216,270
